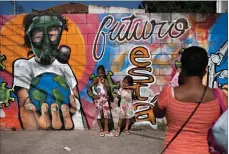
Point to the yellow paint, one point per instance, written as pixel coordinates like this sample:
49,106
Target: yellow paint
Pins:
118,62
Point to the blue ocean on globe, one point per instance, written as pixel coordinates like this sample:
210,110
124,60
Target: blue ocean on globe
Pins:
49,88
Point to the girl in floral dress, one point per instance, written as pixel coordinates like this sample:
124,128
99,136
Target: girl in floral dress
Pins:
101,99
126,94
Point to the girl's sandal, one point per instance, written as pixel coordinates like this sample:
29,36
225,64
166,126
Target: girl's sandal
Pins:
107,133
117,134
101,134
127,132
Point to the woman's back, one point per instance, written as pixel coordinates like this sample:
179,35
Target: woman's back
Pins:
179,104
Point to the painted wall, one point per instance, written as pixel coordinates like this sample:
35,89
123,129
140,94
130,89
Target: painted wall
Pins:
145,46
92,9
221,6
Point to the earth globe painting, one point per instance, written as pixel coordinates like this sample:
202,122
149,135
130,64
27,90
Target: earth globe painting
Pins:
49,88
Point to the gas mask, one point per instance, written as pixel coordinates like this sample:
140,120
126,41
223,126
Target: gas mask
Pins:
45,34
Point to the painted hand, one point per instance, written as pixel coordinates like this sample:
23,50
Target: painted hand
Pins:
53,120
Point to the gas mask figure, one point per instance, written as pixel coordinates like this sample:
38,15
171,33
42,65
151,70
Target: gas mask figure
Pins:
43,34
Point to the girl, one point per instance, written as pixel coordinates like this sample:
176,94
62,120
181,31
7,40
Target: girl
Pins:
126,94
101,99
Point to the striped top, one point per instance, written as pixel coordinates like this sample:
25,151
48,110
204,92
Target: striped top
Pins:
193,137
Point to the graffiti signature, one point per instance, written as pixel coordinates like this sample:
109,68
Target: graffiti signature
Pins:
126,30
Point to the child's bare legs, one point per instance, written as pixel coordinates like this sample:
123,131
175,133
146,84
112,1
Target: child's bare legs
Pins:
99,123
101,132
118,131
127,126
119,125
106,126
102,106
107,115
98,105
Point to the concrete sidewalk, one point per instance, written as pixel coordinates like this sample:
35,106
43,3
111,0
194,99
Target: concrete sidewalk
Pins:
80,142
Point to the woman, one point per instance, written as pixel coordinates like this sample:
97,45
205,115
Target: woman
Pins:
177,104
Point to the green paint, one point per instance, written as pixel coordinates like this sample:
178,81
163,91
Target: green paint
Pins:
61,81
178,63
44,23
5,95
2,58
39,96
58,96
113,85
35,81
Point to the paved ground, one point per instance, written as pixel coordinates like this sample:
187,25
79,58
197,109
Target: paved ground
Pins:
80,142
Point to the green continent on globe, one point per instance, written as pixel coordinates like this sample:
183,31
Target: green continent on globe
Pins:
58,96
39,96
35,81
61,81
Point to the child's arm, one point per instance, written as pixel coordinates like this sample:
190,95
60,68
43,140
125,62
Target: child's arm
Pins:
96,81
27,117
134,97
131,87
117,94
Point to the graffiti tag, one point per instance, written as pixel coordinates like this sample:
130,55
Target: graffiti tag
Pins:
143,109
126,30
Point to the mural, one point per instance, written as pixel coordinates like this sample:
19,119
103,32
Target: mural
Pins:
48,61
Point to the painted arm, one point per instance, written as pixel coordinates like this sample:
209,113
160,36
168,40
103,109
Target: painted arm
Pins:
76,92
73,107
28,119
